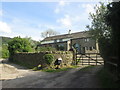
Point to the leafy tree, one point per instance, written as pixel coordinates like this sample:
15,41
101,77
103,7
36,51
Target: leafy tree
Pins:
48,33
33,43
113,20
18,44
100,31
99,28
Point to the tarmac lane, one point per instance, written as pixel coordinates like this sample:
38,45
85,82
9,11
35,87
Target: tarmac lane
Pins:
73,78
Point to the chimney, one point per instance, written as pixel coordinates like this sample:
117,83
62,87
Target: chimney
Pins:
47,34
69,32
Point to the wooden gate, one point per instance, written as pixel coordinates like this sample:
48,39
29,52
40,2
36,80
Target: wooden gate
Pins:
89,59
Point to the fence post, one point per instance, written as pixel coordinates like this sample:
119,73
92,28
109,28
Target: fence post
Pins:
82,59
76,59
89,59
96,58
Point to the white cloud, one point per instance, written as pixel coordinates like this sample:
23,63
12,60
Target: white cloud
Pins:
4,27
66,21
61,6
89,8
61,3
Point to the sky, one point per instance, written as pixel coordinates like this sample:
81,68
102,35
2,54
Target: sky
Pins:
29,19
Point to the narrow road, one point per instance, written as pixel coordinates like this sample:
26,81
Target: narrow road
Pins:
74,78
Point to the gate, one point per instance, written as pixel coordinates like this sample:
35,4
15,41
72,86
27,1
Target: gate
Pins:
89,59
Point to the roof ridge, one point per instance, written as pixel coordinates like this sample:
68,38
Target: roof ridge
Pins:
67,34
72,35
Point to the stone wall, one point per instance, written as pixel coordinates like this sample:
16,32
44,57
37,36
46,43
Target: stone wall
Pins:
34,59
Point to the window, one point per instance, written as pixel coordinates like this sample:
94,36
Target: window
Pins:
60,47
87,39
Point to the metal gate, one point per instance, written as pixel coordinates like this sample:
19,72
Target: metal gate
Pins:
89,59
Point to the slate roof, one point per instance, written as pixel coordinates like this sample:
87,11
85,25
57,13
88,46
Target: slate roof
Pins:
72,36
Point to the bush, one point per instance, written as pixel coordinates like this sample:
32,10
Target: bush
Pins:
18,44
48,58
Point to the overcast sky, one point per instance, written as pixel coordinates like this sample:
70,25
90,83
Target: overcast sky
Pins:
32,18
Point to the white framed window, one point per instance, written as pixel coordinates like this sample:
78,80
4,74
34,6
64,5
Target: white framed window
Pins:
87,39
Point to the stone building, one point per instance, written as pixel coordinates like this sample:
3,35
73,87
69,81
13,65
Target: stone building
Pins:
81,41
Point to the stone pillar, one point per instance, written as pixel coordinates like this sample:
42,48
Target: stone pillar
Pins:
68,45
97,47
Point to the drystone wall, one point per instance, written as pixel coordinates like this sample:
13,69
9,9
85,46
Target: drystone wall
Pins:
34,59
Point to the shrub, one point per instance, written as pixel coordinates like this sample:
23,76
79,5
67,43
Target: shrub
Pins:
48,58
18,44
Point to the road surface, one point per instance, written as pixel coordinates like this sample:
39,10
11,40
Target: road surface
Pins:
73,78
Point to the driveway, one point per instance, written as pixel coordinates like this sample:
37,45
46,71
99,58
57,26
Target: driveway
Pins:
12,71
73,78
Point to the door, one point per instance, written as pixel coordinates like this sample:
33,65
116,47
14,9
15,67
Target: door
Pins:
77,47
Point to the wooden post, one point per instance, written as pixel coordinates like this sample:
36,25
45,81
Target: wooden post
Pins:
96,58
82,59
76,59
89,59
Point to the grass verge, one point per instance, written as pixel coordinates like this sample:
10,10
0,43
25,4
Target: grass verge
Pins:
55,70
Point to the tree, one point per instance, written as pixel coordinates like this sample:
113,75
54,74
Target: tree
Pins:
33,43
100,31
18,44
113,20
99,28
48,33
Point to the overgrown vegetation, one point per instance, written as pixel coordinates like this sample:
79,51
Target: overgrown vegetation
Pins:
48,58
106,80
